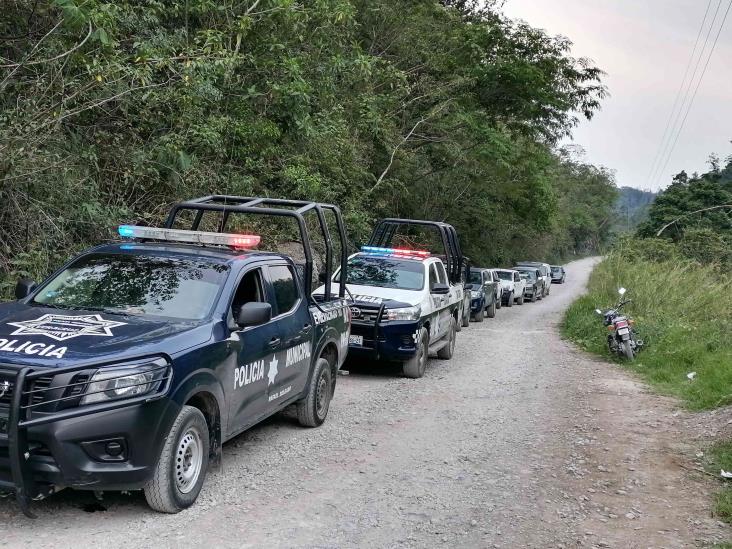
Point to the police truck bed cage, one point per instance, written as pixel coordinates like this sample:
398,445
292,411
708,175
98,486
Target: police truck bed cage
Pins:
387,228
295,209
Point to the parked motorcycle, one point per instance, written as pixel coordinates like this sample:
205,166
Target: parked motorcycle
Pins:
621,338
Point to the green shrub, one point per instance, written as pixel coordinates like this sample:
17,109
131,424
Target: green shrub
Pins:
683,312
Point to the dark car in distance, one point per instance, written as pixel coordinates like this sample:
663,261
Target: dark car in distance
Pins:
559,275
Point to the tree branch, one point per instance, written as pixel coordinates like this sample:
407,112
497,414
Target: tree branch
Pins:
667,225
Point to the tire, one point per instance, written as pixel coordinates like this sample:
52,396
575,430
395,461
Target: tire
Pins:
534,297
520,300
499,302
313,408
183,464
509,303
466,319
491,311
628,350
479,316
447,351
415,366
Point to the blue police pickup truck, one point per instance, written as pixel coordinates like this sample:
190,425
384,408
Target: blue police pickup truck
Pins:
131,365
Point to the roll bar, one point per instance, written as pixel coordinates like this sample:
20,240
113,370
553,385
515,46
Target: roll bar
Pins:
295,209
386,229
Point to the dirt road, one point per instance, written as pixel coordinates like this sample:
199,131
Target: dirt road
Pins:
519,441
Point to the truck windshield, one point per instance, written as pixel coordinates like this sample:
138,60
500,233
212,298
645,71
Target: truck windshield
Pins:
137,284
385,272
528,275
505,275
475,277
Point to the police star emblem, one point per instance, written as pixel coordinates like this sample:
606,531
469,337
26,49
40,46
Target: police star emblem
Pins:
272,373
62,327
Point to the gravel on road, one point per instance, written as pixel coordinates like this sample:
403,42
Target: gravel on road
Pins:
518,441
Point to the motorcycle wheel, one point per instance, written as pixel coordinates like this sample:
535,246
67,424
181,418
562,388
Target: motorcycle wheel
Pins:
628,350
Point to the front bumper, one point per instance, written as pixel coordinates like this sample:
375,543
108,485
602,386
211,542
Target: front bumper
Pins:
44,451
477,305
385,341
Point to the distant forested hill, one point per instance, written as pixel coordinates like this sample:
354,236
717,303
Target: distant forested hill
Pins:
631,208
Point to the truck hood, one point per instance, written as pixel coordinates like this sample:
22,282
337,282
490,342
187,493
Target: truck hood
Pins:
44,336
376,295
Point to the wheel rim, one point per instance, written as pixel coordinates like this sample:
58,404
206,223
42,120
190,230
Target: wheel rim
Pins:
189,460
322,396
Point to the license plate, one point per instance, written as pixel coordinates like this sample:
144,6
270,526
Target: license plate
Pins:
355,340
622,331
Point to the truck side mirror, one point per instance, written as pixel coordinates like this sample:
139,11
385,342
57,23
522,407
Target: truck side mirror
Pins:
254,313
441,289
24,288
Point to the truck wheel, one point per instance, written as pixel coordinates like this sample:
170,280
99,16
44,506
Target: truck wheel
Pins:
491,311
183,463
312,410
465,321
509,303
534,297
415,366
498,303
478,317
520,300
446,352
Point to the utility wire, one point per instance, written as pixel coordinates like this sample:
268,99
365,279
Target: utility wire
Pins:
657,157
696,89
689,85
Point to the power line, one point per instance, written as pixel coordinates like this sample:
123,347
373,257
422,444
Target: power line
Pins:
689,85
696,89
657,157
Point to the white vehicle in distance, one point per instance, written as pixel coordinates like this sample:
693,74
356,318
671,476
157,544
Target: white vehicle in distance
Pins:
512,286
546,273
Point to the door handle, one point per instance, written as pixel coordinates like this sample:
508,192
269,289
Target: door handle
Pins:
274,342
306,329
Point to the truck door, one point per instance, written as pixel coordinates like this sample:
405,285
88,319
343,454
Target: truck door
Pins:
289,374
257,347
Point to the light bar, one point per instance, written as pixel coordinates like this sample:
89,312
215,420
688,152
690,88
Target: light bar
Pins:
394,251
239,241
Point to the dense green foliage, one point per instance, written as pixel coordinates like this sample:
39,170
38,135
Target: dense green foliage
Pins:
111,110
696,213
683,312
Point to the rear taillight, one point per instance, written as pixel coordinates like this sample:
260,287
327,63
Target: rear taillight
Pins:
621,324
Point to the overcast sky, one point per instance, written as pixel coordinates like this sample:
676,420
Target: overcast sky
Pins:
644,46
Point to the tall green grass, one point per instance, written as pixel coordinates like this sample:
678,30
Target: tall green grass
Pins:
683,312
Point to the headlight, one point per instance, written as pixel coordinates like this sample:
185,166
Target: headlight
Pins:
474,294
404,313
124,382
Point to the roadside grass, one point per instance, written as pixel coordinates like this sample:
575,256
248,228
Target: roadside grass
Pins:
719,457
683,312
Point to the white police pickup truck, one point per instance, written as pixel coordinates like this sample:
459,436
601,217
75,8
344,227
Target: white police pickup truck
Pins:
403,307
